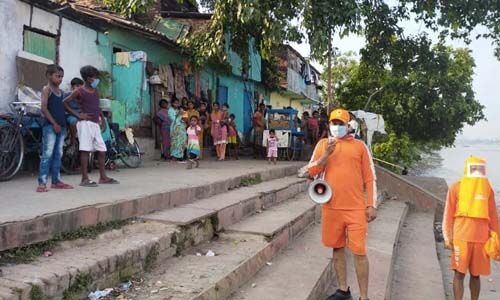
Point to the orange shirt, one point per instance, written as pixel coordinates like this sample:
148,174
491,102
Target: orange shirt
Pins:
350,173
465,228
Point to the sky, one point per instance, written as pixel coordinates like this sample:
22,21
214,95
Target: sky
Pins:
486,82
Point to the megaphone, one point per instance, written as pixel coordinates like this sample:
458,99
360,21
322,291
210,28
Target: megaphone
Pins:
319,191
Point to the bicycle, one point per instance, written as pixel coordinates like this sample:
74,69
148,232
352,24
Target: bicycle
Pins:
120,146
20,133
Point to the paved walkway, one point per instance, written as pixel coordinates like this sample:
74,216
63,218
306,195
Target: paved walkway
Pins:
19,201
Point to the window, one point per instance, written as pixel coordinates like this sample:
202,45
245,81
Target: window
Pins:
41,44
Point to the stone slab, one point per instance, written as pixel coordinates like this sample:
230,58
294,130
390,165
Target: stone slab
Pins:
276,218
27,217
238,257
303,271
417,274
123,250
383,235
180,215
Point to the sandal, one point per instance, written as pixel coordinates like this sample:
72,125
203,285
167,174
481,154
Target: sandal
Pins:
108,181
42,189
88,183
61,186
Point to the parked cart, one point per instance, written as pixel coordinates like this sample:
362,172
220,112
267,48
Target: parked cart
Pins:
290,138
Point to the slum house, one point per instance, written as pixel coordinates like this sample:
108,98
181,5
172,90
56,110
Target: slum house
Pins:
127,53
300,84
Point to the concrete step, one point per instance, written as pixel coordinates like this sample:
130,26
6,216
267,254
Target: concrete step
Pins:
98,263
233,206
30,218
417,273
239,256
383,234
104,262
302,272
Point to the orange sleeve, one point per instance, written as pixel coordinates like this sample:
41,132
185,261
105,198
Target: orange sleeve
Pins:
449,212
493,213
369,177
318,152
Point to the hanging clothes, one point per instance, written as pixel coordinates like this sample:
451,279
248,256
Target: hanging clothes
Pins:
123,58
180,88
167,77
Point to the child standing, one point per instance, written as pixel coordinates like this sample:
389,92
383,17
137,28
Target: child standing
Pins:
223,140
76,83
89,130
193,146
272,147
232,135
54,131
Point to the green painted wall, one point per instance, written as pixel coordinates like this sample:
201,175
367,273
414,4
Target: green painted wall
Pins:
158,53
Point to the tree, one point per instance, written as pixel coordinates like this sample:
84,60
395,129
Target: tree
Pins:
129,8
427,96
273,23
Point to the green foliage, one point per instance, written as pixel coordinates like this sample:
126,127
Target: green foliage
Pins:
397,150
248,181
272,23
36,293
151,258
82,283
271,75
129,8
267,22
427,93
28,253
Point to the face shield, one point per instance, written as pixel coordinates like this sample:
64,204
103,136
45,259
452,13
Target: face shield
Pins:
476,170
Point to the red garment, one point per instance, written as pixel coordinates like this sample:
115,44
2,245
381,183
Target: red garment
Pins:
313,123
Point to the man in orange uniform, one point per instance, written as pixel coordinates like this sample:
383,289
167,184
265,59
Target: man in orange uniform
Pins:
347,166
470,214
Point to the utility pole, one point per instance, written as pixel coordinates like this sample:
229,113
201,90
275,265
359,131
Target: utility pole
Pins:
330,103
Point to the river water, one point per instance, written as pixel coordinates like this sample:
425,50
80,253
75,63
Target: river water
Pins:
449,162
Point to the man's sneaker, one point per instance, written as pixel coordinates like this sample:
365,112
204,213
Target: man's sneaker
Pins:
341,295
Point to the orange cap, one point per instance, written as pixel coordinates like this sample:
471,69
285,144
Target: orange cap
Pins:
341,115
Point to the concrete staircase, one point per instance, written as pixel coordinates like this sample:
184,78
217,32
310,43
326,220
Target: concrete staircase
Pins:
263,243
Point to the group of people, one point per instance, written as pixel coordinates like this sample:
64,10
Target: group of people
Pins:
78,110
470,221
187,130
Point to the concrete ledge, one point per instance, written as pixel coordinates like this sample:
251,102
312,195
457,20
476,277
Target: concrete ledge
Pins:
233,206
406,190
17,234
383,234
227,285
303,271
113,255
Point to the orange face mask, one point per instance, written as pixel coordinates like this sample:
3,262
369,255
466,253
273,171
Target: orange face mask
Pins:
474,191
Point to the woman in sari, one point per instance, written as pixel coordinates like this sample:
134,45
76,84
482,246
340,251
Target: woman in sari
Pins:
178,135
164,122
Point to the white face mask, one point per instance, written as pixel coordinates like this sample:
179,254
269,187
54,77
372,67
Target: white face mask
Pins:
338,131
